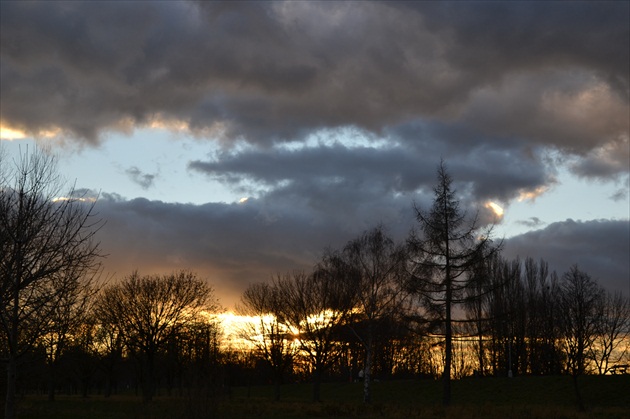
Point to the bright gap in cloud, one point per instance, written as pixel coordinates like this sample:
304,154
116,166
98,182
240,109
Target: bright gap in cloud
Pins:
571,197
66,198
160,153
350,137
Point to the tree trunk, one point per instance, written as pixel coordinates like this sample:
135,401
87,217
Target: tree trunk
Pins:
108,385
317,381
578,395
148,386
10,402
51,381
481,354
276,395
367,373
10,408
85,385
147,391
110,376
446,398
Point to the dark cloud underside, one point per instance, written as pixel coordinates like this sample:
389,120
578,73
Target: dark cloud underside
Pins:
236,244
600,248
521,73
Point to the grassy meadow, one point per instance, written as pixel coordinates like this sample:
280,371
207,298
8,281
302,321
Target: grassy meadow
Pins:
520,397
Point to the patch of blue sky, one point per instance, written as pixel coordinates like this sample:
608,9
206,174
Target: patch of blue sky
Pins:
159,154
349,136
570,198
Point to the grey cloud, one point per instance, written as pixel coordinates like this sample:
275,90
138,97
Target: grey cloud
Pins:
355,187
563,244
230,244
620,195
233,245
85,193
532,222
572,112
145,180
604,162
482,173
510,75
495,35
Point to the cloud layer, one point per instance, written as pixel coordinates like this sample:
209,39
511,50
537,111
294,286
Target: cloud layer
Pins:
236,244
277,71
331,116
599,247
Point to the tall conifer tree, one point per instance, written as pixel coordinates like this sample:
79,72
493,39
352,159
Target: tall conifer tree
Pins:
444,252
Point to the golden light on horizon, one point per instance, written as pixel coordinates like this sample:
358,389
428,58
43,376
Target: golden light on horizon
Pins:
244,332
233,326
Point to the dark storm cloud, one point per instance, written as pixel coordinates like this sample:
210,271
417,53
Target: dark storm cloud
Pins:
508,74
599,247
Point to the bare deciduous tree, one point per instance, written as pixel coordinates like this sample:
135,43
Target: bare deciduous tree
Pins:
378,274
580,299
316,306
149,309
67,318
477,309
46,246
272,339
612,331
108,345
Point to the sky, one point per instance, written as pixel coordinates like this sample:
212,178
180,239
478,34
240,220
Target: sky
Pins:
242,139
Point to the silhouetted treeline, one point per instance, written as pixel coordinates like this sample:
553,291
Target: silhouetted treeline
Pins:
443,304
527,321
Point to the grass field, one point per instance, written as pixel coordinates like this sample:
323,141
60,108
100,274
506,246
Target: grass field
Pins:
520,397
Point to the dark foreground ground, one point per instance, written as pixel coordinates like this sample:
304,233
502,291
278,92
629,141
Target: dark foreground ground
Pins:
520,397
